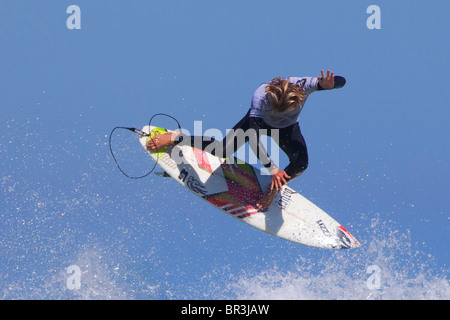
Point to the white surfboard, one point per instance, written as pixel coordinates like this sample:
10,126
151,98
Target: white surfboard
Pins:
234,187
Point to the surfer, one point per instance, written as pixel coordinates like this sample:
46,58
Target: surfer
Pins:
275,108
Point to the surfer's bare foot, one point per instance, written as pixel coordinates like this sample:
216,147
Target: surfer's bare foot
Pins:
160,141
266,199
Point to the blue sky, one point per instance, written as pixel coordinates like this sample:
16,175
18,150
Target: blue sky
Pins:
379,148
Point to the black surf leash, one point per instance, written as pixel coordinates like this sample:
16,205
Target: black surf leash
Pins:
142,134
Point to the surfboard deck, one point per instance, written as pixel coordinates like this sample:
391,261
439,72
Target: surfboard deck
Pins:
233,186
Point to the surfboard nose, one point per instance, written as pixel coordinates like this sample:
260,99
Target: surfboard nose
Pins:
346,240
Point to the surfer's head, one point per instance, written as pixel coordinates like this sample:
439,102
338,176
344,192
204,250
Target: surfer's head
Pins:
284,95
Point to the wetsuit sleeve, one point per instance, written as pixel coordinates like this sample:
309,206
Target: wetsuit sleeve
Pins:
339,82
308,84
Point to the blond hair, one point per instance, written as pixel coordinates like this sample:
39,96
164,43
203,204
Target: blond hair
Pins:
284,95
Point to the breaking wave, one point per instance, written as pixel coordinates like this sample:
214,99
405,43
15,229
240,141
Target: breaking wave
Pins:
386,269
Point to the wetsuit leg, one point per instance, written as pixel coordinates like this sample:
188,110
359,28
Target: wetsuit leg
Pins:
294,145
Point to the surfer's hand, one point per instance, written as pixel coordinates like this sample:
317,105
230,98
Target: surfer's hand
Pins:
278,179
326,82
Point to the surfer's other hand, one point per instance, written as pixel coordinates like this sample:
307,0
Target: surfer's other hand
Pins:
279,178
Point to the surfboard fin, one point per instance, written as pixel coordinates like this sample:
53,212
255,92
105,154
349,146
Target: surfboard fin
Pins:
162,174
